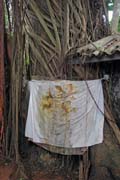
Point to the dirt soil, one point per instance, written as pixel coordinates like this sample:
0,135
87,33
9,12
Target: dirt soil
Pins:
44,176
7,169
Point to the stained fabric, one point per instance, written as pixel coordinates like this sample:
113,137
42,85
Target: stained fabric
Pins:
64,151
65,114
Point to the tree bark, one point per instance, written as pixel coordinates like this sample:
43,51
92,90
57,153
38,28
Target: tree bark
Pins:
1,73
115,19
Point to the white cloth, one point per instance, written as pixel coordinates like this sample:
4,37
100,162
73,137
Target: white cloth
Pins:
64,113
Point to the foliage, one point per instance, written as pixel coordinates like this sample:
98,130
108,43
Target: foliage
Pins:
110,4
119,26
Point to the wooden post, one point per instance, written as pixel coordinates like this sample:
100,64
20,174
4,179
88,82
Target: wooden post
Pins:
1,72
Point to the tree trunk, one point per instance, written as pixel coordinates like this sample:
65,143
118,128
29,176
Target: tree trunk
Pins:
1,72
115,19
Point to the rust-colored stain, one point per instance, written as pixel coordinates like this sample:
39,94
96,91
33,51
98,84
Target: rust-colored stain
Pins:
60,100
47,102
66,106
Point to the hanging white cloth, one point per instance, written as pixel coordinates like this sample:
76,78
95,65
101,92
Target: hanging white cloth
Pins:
68,114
